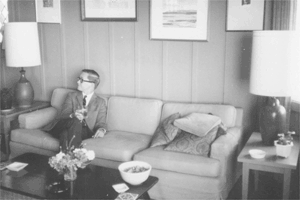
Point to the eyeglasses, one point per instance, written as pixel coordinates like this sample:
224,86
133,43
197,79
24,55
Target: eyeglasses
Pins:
81,80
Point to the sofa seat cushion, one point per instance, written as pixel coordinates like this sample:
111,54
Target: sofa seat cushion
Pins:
35,138
179,162
118,145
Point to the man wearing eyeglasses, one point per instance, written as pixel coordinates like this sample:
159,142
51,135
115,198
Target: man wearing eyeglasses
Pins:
83,113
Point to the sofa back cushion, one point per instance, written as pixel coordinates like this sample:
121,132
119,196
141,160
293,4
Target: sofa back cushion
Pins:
227,113
134,115
58,97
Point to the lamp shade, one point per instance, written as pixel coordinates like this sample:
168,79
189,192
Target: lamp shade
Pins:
22,47
275,60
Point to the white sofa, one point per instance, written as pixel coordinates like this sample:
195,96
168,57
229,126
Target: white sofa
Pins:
131,124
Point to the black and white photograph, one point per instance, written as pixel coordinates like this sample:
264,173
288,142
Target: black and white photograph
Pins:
149,99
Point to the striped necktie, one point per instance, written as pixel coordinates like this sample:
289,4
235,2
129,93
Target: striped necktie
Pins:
84,106
84,101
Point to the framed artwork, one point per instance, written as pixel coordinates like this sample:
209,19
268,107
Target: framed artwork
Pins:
109,10
48,11
245,15
179,19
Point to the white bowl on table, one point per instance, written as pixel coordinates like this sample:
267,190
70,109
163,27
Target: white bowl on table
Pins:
130,172
257,153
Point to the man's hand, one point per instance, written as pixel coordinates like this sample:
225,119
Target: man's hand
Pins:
100,133
81,114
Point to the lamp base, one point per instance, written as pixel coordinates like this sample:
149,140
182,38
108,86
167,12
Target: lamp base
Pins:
272,120
24,93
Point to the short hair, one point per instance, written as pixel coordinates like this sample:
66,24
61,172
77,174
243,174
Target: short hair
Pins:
92,76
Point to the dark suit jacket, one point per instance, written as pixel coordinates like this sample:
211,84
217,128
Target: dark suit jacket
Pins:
96,111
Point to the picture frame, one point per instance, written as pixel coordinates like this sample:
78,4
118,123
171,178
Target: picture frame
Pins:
109,10
245,15
179,20
48,11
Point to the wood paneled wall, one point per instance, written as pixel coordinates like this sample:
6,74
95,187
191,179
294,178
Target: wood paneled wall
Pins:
130,64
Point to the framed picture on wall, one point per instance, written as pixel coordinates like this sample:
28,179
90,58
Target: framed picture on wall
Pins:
48,11
109,10
179,19
245,15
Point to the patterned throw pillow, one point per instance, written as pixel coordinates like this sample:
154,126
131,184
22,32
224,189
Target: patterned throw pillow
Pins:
165,132
189,143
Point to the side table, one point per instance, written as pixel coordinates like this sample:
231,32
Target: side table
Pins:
7,117
270,163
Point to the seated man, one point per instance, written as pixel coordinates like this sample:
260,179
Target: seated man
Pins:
83,114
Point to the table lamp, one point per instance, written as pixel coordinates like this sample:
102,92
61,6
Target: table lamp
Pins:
275,58
22,49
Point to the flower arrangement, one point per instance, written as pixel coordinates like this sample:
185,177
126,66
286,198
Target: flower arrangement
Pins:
69,161
284,144
285,138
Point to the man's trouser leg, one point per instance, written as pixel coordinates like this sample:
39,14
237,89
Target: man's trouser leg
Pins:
71,132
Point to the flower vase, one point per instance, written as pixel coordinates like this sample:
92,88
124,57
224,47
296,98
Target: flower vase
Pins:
70,174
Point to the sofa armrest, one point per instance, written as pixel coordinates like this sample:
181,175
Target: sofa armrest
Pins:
225,144
38,118
226,149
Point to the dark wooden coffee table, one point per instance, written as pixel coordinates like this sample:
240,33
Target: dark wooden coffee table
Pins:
93,182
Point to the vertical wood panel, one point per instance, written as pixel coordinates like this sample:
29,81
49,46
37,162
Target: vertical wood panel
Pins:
123,58
27,11
86,45
74,42
237,67
194,74
238,51
12,75
98,53
13,8
42,67
137,66
111,60
63,53
164,71
211,57
178,71
3,81
148,57
52,55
